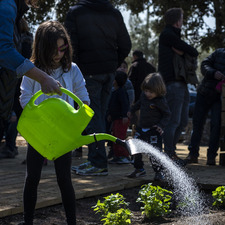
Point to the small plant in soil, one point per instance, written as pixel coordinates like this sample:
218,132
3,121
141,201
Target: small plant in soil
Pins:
219,197
114,210
156,201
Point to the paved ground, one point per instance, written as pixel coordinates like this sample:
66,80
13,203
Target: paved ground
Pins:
12,174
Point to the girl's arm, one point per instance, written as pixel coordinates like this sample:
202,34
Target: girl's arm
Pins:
26,89
79,87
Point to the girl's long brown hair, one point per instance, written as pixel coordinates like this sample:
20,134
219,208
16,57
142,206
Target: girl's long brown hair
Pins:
45,46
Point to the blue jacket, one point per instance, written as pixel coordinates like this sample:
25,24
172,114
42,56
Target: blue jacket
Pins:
10,58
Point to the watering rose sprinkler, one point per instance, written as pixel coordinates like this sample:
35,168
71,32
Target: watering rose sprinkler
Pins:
54,127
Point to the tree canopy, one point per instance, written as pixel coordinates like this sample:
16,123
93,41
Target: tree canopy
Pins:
195,29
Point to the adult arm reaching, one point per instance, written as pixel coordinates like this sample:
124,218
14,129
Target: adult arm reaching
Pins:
10,59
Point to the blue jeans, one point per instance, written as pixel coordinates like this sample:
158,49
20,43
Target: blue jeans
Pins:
178,100
99,88
202,106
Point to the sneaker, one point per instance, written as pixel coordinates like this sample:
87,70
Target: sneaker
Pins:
123,160
211,162
81,166
159,176
137,173
93,171
180,162
191,159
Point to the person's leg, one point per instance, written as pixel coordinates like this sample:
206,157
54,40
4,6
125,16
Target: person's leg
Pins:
11,135
176,98
62,168
214,130
99,88
199,117
120,131
155,139
183,117
138,162
33,175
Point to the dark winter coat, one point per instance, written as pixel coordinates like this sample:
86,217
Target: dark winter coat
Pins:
214,62
171,37
118,104
152,112
99,36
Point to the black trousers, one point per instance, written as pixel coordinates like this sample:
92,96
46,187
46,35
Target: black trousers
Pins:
33,175
155,139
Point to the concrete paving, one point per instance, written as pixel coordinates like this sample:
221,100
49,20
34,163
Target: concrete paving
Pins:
12,174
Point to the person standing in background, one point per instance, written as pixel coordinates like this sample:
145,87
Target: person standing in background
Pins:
9,150
208,99
139,69
12,64
177,96
101,42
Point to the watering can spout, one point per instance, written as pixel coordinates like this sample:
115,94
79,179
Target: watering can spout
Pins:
88,139
124,144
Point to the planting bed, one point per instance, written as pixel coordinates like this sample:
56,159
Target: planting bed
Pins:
86,216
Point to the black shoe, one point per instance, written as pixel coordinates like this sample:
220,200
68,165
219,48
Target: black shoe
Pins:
211,162
180,162
191,159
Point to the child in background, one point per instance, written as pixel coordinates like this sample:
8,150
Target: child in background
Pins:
128,85
52,52
154,115
130,91
117,113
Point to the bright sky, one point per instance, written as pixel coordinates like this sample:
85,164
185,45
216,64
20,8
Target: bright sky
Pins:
210,21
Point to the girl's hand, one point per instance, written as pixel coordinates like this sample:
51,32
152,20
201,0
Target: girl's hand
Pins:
49,85
159,129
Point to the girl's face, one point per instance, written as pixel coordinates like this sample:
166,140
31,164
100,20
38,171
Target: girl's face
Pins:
61,48
150,95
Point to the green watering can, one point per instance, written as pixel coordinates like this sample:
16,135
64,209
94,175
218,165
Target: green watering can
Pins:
54,127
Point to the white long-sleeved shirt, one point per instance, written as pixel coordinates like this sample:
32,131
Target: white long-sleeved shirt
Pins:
72,80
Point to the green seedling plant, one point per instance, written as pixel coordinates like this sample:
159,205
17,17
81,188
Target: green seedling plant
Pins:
156,201
219,196
114,210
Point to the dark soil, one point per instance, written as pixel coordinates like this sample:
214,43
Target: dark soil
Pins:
54,215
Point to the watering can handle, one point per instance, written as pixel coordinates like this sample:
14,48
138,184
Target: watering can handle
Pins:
64,90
